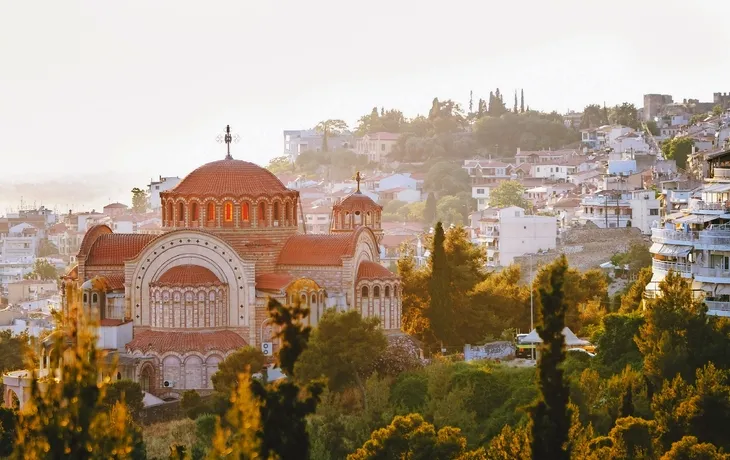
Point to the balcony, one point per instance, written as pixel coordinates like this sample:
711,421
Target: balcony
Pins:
721,173
710,239
684,269
703,207
668,236
709,272
717,306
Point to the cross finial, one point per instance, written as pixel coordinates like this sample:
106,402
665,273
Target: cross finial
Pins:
358,178
228,138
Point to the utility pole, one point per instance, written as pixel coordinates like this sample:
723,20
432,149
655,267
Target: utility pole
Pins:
532,308
605,210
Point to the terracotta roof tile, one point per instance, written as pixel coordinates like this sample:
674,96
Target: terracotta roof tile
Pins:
115,248
357,201
392,241
229,178
316,249
115,281
106,322
183,342
187,275
273,281
373,270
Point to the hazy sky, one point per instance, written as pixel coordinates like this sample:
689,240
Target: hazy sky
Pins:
123,91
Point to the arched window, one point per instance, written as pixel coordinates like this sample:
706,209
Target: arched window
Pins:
358,218
387,291
194,212
119,376
181,212
368,219
276,211
347,220
244,212
364,291
395,291
376,291
261,213
211,212
170,216
314,299
86,297
287,211
228,212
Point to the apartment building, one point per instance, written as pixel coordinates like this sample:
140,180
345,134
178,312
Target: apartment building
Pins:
376,146
615,209
483,176
508,233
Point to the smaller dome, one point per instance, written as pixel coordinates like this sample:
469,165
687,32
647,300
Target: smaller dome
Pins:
373,271
357,202
188,275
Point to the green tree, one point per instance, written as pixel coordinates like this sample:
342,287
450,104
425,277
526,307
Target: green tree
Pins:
279,165
139,201
247,359
329,128
678,149
238,434
13,349
717,110
412,437
128,392
625,115
615,341
8,425
550,417
446,178
653,127
515,109
522,101
689,448
67,419
632,300
43,270
46,248
344,348
508,193
593,117
440,311
500,302
430,212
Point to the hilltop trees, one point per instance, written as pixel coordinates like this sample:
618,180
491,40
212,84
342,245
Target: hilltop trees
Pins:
508,193
139,201
678,149
329,128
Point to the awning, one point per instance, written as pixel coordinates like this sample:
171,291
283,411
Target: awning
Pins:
717,188
670,250
695,219
674,215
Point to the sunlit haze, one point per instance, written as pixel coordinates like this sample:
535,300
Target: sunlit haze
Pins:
106,95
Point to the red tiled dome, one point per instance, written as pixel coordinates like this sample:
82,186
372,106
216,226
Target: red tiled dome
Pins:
357,201
229,178
188,275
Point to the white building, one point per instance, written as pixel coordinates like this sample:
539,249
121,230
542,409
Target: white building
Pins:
399,180
376,146
484,175
155,187
695,242
630,142
509,233
21,243
639,208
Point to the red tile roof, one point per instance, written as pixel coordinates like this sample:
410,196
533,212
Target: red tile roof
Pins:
317,249
229,178
183,342
393,241
273,281
115,281
116,206
187,275
90,237
115,248
357,202
106,322
372,270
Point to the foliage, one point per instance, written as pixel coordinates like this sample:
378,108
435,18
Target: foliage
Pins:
160,436
632,300
344,349
689,448
502,135
624,115
400,355
446,178
412,437
593,117
66,419
339,164
637,258
508,193
8,424
615,343
653,127
139,201
550,418
128,392
678,149
509,444
42,270
238,434
46,248
389,121
12,350
429,215
501,301
247,359
630,438
329,128
440,312
279,165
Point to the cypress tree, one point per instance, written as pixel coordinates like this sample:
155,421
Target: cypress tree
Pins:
439,311
471,102
522,101
429,213
550,416
435,109
627,403
515,108
492,105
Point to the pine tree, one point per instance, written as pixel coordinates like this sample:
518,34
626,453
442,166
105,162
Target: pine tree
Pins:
627,403
522,101
440,310
492,105
481,108
429,213
471,102
550,416
435,109
515,108
382,111
605,114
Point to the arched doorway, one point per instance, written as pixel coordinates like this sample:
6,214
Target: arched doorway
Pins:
146,378
12,400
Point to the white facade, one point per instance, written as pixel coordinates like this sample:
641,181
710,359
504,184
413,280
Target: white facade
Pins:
20,244
481,194
512,234
397,181
156,187
638,209
376,146
553,171
485,174
632,142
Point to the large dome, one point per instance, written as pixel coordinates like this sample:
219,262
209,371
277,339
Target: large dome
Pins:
229,178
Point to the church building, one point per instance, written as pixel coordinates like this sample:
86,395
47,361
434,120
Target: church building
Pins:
233,238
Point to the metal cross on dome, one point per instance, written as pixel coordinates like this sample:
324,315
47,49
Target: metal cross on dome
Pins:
228,138
358,178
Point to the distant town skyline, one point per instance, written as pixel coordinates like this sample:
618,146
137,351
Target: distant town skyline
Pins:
119,93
